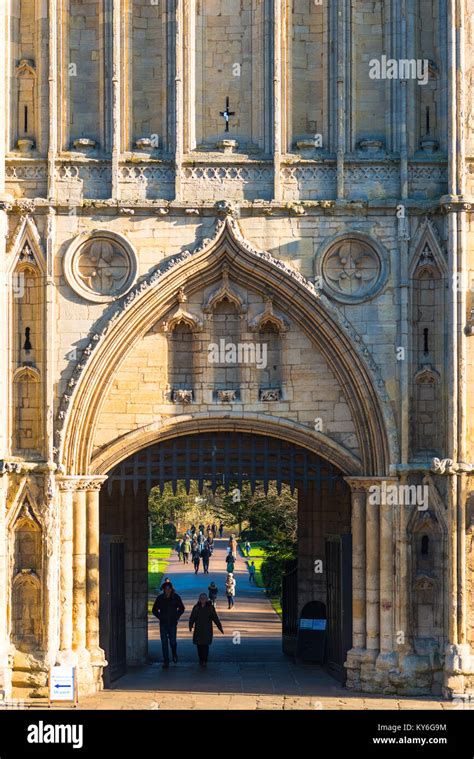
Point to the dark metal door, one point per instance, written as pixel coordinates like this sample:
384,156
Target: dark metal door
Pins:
339,603
112,607
289,607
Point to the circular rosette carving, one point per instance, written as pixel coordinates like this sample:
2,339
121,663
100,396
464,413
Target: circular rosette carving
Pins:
100,267
353,270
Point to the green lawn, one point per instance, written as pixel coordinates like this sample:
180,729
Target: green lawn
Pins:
257,555
158,557
257,549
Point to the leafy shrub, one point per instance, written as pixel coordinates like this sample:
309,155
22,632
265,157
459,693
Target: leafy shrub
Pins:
280,559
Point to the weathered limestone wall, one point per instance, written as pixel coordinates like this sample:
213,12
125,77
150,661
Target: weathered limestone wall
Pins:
300,242
147,60
140,393
308,51
86,50
368,41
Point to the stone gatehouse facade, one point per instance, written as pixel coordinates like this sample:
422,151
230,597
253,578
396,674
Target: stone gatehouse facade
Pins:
177,173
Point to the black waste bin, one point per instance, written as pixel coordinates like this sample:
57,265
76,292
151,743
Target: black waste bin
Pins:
311,639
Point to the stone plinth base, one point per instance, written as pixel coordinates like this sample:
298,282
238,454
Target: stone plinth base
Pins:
393,673
30,674
458,671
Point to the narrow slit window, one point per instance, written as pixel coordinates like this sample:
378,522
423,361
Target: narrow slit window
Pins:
425,340
27,346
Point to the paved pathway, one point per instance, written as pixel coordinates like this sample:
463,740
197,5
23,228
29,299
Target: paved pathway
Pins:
250,674
252,628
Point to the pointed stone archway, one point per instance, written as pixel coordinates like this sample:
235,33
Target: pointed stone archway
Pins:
93,438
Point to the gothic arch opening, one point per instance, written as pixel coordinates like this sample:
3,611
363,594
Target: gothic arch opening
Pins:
227,460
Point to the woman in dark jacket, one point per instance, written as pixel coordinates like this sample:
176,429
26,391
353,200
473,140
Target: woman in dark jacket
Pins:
202,617
230,561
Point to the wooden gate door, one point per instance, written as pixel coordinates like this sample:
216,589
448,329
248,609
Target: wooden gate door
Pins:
289,607
112,606
339,603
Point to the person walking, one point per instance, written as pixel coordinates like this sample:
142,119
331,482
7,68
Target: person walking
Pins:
221,530
205,556
247,548
186,549
213,591
203,616
214,530
233,546
168,608
230,561
179,546
230,589
252,572
196,560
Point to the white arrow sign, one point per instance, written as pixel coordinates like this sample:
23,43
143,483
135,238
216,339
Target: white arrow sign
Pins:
62,683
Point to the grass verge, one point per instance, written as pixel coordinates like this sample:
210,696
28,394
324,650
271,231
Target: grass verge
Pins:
158,558
257,555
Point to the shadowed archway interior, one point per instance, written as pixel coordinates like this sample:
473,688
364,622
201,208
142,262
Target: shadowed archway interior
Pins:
217,459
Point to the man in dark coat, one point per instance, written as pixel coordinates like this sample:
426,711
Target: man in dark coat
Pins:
168,608
205,556
202,617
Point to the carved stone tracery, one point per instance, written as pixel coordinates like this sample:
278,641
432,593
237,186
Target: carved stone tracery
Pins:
351,268
100,267
103,267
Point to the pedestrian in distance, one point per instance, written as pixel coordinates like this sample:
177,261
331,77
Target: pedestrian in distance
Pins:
205,556
202,618
252,572
221,530
247,548
196,560
230,590
214,530
168,608
230,561
233,546
213,591
186,550
179,546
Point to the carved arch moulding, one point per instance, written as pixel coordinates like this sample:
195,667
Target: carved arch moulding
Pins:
150,301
